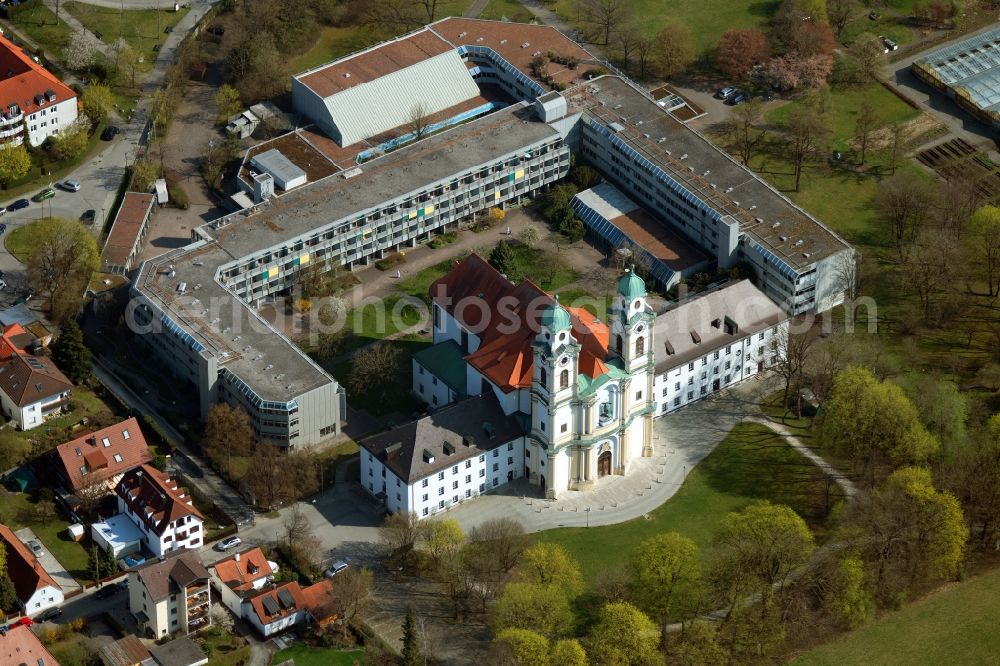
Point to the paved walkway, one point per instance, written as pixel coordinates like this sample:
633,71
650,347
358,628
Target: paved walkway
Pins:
846,485
49,562
680,441
476,8
81,32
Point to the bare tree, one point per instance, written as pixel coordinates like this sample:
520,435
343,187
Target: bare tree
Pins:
807,135
904,201
400,532
352,592
419,119
929,268
867,122
839,13
297,527
645,49
505,539
742,130
791,351
603,16
894,149
430,9
375,369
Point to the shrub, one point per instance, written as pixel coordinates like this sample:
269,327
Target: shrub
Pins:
392,261
178,195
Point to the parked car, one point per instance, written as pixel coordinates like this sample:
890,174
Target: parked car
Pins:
725,92
889,44
3,228
36,548
70,185
107,591
19,204
23,622
336,568
49,614
123,584
109,133
88,216
3,209
47,193
226,544
738,98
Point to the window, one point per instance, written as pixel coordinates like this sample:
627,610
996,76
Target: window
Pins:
455,499
468,478
424,498
677,387
543,376
468,464
510,446
677,401
690,381
468,492
482,487
704,361
482,458
482,473
691,366
496,482
441,504
496,467
454,485
118,457
440,476
441,490
423,484
703,389
563,427
716,354
729,348
564,379
638,395
761,336
690,395
426,510
454,470
496,453
125,434
640,346
527,453
510,461
728,363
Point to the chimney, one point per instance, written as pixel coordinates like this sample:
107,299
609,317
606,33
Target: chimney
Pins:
237,557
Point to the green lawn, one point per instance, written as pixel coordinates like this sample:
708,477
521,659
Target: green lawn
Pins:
21,242
955,625
707,19
220,648
578,297
419,284
512,10
14,508
38,23
543,267
310,656
751,463
374,321
332,43
72,650
845,104
143,29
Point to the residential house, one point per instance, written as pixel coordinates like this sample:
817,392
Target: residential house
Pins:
31,387
170,595
131,651
157,506
238,577
126,651
96,462
36,589
19,645
34,104
277,608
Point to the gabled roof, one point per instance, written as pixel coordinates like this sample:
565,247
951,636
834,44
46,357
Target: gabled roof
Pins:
463,430
179,652
25,83
20,646
175,571
96,452
24,377
126,651
127,228
240,574
320,601
506,319
277,602
24,569
155,498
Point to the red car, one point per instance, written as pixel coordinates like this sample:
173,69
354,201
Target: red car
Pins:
23,622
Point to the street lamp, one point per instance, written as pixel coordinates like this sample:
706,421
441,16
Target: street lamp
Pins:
587,510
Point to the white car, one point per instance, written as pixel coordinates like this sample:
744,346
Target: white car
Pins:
228,543
36,548
70,185
336,568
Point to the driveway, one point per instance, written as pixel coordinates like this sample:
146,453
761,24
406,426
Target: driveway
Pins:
48,561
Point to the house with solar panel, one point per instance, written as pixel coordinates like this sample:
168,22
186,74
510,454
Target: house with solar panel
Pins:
32,388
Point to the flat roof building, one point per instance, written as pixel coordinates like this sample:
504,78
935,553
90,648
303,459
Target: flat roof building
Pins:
128,231
968,72
286,175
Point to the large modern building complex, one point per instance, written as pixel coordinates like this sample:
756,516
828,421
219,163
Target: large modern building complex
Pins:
369,178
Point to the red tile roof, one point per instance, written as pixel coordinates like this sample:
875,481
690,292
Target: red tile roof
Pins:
23,567
241,575
24,377
375,62
321,602
20,646
98,450
154,497
25,81
294,589
486,303
127,228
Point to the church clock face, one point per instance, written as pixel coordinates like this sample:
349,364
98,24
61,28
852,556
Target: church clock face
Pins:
564,360
640,328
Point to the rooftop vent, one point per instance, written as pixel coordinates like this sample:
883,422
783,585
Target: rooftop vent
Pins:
806,255
799,242
782,238
695,337
776,225
669,347
525,45
347,75
731,327
716,323
182,287
462,34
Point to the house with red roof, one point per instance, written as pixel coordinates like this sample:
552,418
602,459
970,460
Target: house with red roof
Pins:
36,589
276,608
20,645
166,516
34,104
240,576
32,388
98,460
579,391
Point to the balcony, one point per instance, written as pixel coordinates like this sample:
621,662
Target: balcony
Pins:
196,589
197,600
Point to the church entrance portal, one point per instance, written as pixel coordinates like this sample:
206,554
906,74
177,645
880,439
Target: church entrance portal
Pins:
604,464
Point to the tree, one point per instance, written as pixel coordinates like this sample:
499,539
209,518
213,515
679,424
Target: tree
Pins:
740,50
128,60
981,245
791,352
602,16
70,354
502,258
524,647
277,477
72,141
904,201
568,652
529,236
866,123
504,539
14,450
15,162
847,597
8,594
541,608
297,527
811,38
839,13
97,102
145,171
666,577
624,635
742,130
673,50
61,264
352,590
756,549
894,149
81,52
374,370
807,135
228,432
400,532
411,654
227,102
972,473
867,52
419,120
873,423
549,564
443,539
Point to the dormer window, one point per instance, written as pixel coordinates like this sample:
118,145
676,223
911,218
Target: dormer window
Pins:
106,442
125,434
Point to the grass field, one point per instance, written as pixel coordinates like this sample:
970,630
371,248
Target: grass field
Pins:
15,509
304,655
143,29
512,10
72,650
21,242
751,463
707,19
38,23
332,43
956,626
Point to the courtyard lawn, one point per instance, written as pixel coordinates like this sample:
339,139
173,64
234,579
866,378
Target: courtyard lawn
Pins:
509,9
15,512
221,649
419,284
707,19
397,397
750,463
38,23
956,625
303,655
75,649
389,316
143,29
845,103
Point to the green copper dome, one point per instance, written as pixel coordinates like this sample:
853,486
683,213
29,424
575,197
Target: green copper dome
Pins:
631,287
555,318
